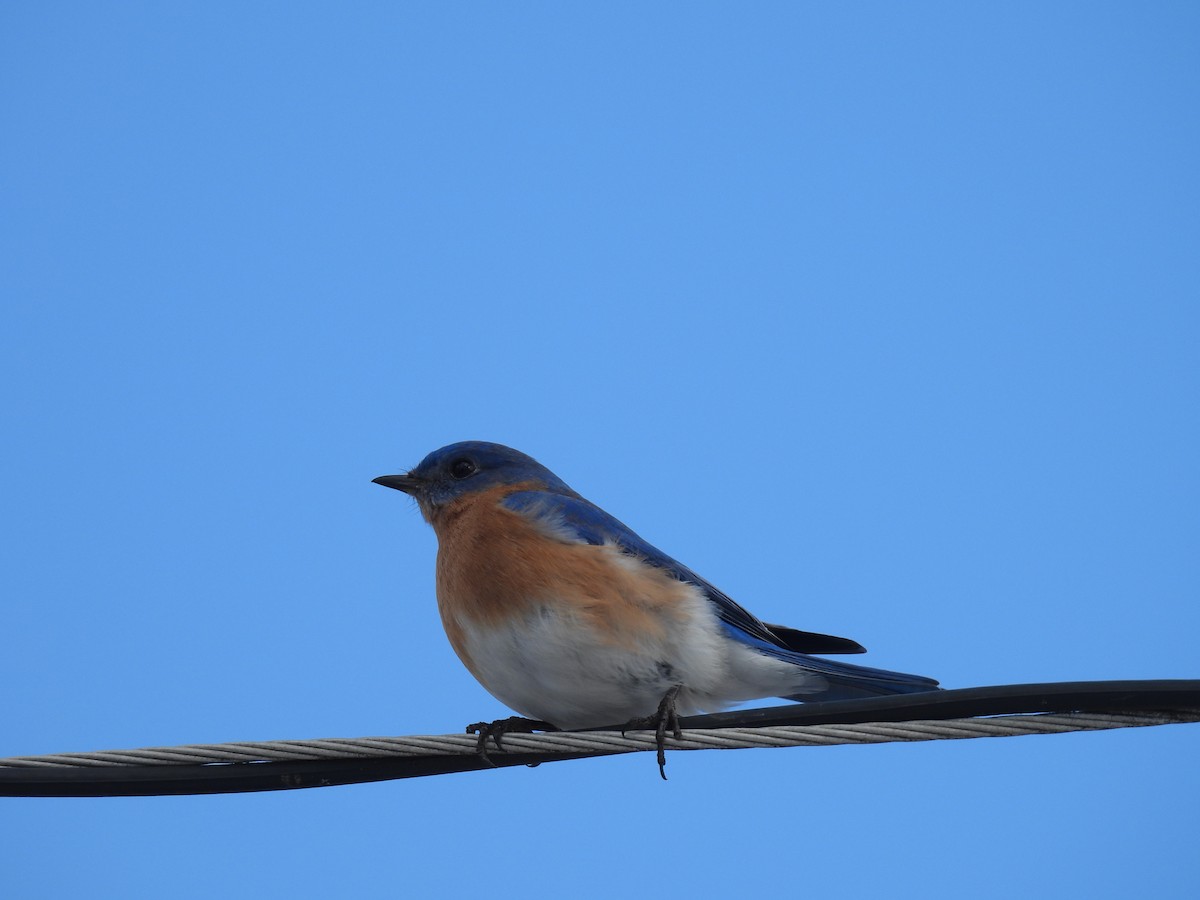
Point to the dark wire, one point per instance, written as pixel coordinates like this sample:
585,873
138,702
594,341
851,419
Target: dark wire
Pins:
217,778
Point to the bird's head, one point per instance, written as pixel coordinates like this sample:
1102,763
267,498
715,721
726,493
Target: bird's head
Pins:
469,467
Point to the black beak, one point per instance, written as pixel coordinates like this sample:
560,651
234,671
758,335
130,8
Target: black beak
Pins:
405,483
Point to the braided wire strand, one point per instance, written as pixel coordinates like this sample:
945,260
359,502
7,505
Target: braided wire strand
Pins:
609,742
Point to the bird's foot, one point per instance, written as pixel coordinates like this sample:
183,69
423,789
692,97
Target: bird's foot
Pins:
496,730
664,720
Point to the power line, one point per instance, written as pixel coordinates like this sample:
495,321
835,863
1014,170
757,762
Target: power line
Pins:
999,711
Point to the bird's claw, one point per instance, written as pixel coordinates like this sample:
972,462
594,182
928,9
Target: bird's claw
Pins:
496,730
664,719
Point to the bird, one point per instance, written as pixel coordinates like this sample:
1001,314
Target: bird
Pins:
567,616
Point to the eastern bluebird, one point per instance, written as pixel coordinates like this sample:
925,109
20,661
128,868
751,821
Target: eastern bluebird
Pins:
567,616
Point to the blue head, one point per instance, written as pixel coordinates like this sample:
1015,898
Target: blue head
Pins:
468,467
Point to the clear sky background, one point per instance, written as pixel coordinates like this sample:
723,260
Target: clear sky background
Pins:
883,317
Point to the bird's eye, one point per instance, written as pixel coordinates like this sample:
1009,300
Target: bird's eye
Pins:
463,468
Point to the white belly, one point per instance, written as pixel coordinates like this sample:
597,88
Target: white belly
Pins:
548,664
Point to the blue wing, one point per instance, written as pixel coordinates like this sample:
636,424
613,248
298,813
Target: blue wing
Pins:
572,518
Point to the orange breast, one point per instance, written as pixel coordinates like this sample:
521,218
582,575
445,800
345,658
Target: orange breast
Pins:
494,565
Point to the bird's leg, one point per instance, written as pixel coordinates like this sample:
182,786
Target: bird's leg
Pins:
496,730
666,718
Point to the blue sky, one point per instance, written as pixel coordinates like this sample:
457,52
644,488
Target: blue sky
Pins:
883,317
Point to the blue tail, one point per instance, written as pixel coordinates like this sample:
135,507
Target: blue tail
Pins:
846,681
843,681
